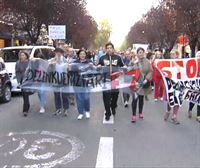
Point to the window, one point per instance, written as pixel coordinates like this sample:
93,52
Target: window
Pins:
12,54
47,53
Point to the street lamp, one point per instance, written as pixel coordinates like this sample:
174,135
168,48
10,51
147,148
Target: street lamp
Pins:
12,33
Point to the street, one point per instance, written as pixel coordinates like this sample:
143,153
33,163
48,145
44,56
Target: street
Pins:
44,140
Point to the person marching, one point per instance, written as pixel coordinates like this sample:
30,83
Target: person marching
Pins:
111,61
173,55
58,64
146,70
126,60
70,57
191,105
157,79
20,69
39,63
82,96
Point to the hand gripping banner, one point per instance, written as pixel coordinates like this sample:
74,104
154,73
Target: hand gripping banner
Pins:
181,78
79,77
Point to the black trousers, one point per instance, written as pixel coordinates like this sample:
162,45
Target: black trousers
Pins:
191,106
137,98
61,99
26,103
110,100
126,97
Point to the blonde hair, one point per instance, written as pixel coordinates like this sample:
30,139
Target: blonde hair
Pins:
176,52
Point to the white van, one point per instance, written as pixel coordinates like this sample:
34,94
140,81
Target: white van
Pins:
10,56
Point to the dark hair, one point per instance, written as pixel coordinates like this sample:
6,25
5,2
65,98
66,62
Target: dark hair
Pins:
25,53
38,54
158,49
78,53
59,50
140,48
109,43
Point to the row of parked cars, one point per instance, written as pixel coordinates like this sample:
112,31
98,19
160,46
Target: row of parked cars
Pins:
8,81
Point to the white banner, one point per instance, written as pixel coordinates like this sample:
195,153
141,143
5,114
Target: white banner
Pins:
57,32
182,79
79,77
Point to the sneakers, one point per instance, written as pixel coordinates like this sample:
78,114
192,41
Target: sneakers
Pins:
25,113
65,113
189,114
42,110
166,116
57,112
161,99
133,119
80,117
87,115
141,116
155,100
126,104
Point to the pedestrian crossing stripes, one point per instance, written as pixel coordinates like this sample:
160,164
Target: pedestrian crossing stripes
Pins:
105,153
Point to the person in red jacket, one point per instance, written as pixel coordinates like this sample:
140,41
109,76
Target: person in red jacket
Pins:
157,79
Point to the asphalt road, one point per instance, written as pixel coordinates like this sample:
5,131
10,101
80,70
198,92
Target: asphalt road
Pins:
43,140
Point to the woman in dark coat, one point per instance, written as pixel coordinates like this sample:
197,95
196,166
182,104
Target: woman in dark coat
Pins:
20,68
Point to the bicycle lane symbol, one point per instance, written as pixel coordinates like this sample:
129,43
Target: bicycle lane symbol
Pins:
43,149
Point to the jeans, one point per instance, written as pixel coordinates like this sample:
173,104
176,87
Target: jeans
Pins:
135,102
83,102
42,98
110,100
61,99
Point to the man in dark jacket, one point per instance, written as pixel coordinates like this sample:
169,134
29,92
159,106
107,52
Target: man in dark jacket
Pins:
111,61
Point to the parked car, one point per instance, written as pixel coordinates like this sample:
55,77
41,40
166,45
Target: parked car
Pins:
5,84
10,56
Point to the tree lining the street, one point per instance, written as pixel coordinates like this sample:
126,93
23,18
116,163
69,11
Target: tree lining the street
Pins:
103,34
162,25
29,15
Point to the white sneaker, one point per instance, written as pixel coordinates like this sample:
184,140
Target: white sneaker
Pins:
66,113
87,114
155,100
161,99
42,110
80,117
126,104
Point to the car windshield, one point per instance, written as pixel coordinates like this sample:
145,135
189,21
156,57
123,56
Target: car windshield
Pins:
11,55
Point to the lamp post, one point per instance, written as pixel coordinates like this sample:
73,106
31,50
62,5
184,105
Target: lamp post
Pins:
12,33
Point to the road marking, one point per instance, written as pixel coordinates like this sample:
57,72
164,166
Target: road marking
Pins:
105,153
111,121
42,147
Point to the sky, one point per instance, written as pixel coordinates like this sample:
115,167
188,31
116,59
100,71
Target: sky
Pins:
121,14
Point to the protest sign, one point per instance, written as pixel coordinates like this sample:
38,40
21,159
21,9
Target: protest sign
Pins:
181,78
78,77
